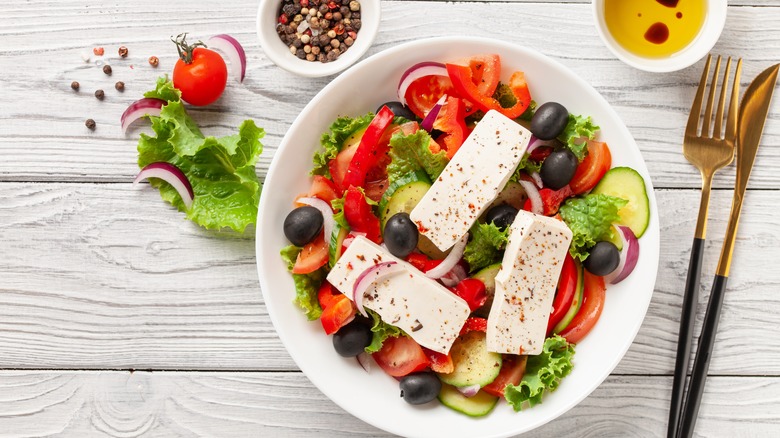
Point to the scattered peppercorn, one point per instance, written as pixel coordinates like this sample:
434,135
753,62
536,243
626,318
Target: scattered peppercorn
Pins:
100,94
107,69
74,85
90,124
120,86
98,51
154,61
318,30
123,51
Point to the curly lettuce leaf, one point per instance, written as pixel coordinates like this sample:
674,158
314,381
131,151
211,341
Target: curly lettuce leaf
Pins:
220,170
410,153
526,166
590,219
578,131
306,285
543,372
333,141
484,248
381,331
164,90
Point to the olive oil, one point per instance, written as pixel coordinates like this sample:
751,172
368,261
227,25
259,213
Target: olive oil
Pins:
654,28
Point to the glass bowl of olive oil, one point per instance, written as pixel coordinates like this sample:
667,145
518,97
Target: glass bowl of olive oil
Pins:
660,35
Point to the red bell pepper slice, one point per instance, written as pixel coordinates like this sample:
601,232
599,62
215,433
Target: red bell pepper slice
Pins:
452,122
551,200
567,288
474,323
463,82
473,292
367,154
590,311
359,215
440,363
339,312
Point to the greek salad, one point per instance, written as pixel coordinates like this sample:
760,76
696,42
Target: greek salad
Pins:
462,237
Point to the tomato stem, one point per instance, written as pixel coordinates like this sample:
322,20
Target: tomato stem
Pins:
185,49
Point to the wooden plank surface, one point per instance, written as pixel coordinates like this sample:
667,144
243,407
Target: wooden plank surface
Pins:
104,275
40,49
98,404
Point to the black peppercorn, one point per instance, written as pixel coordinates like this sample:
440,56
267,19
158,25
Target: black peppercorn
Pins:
100,94
120,86
74,85
107,69
90,124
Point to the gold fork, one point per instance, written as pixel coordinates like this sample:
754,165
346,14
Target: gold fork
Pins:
709,152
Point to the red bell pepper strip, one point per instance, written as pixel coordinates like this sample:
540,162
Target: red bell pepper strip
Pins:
473,292
551,200
359,215
367,154
462,80
474,323
452,122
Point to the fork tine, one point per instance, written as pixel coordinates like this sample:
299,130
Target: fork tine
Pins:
693,117
705,129
716,132
731,122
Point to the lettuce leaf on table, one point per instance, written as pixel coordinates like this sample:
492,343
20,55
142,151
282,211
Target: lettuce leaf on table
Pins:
220,170
543,373
590,219
306,285
486,245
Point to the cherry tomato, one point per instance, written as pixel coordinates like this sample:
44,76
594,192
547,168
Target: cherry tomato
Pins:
359,215
592,305
323,188
200,73
423,93
472,291
339,312
512,370
592,168
440,363
567,287
312,257
401,356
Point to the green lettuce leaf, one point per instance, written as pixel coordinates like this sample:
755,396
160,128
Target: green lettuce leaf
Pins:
577,131
412,152
590,219
485,246
333,141
381,331
542,373
220,170
306,285
527,165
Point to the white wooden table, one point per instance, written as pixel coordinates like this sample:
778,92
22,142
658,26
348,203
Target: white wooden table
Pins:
118,317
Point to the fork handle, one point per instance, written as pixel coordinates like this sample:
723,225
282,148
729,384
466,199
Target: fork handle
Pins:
687,319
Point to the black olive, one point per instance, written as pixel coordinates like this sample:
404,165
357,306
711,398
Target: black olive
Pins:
352,339
502,216
420,388
558,168
401,235
549,120
603,259
302,225
399,109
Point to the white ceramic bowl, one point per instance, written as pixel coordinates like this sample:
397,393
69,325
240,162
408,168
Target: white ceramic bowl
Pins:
714,21
373,397
279,53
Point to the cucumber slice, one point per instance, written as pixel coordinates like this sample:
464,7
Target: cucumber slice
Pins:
576,303
336,239
411,177
488,277
477,406
474,364
627,183
401,197
513,194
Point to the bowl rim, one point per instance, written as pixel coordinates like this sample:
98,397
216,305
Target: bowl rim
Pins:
280,55
653,249
714,22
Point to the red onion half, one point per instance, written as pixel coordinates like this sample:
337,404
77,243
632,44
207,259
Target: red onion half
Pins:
430,118
468,391
172,175
327,214
533,196
143,107
234,53
451,260
628,256
369,277
418,71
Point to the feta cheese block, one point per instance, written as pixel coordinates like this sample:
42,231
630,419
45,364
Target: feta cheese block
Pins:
421,307
471,180
525,285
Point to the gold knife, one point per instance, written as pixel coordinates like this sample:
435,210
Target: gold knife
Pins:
752,115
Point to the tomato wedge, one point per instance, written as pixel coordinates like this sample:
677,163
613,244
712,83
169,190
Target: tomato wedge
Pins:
424,92
512,370
592,305
590,171
339,312
339,165
326,294
323,188
368,154
359,215
312,257
452,122
440,363
401,356
567,287
474,323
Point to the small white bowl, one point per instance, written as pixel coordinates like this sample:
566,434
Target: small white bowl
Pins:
714,21
279,53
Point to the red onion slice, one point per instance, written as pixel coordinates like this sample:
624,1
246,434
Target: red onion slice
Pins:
468,391
418,71
368,277
327,214
536,143
172,175
451,260
364,359
456,274
143,107
233,51
628,256
537,179
430,118
533,196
